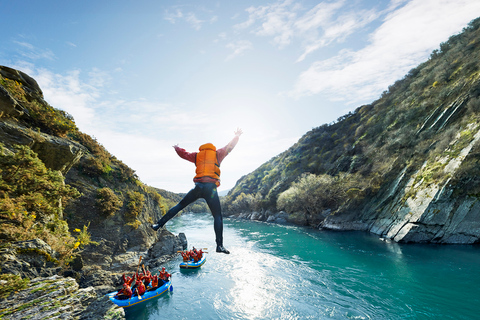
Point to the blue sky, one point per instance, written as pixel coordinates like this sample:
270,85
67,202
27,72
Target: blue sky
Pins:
141,76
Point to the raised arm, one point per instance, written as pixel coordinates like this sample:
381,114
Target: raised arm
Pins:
223,152
182,153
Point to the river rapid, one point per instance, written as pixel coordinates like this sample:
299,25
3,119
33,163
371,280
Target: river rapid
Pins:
287,272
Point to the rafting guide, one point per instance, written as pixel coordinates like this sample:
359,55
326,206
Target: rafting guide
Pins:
207,179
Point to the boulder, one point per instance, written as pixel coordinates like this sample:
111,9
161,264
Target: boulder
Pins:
29,259
8,105
170,244
31,87
58,153
57,298
55,152
183,240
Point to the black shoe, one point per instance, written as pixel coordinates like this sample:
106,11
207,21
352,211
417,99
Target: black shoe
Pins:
222,249
155,226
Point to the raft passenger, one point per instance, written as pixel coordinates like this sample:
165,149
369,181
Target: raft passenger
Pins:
124,293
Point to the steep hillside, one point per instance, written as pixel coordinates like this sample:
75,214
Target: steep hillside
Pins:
60,185
404,167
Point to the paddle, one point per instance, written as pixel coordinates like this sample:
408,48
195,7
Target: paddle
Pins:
139,261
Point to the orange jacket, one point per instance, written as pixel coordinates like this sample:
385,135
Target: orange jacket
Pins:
207,163
220,155
154,281
140,287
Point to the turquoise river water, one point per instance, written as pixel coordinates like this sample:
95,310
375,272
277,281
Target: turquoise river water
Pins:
285,272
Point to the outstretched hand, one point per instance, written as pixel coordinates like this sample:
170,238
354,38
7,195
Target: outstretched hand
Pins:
239,132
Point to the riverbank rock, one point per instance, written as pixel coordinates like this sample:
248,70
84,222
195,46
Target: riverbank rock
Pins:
53,298
29,259
166,249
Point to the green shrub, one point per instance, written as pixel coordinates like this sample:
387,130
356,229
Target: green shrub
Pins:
30,205
134,224
40,114
107,201
25,180
136,202
243,203
313,194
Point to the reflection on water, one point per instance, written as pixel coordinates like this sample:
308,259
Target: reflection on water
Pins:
285,272
250,293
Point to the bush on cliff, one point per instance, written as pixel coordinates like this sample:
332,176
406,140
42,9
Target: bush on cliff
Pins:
31,198
40,114
314,193
107,201
134,207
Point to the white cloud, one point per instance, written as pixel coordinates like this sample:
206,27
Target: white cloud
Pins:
405,39
238,48
33,53
335,28
327,22
275,20
69,93
192,19
189,17
221,36
172,17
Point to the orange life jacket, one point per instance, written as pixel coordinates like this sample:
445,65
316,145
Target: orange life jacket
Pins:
154,282
207,163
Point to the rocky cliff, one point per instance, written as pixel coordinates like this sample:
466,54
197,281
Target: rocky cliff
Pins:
74,218
404,167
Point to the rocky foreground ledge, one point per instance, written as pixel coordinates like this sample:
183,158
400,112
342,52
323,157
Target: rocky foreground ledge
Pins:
58,297
76,292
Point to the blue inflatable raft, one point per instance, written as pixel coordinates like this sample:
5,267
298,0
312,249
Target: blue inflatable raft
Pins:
134,300
193,265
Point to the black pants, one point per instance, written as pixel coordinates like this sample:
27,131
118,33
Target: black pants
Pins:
207,191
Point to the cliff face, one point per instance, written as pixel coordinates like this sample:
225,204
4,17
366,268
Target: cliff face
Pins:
25,120
405,167
56,152
413,208
68,209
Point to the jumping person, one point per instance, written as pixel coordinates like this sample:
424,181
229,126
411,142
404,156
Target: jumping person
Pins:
207,179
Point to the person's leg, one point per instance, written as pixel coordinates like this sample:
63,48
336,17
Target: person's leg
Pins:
190,197
213,202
